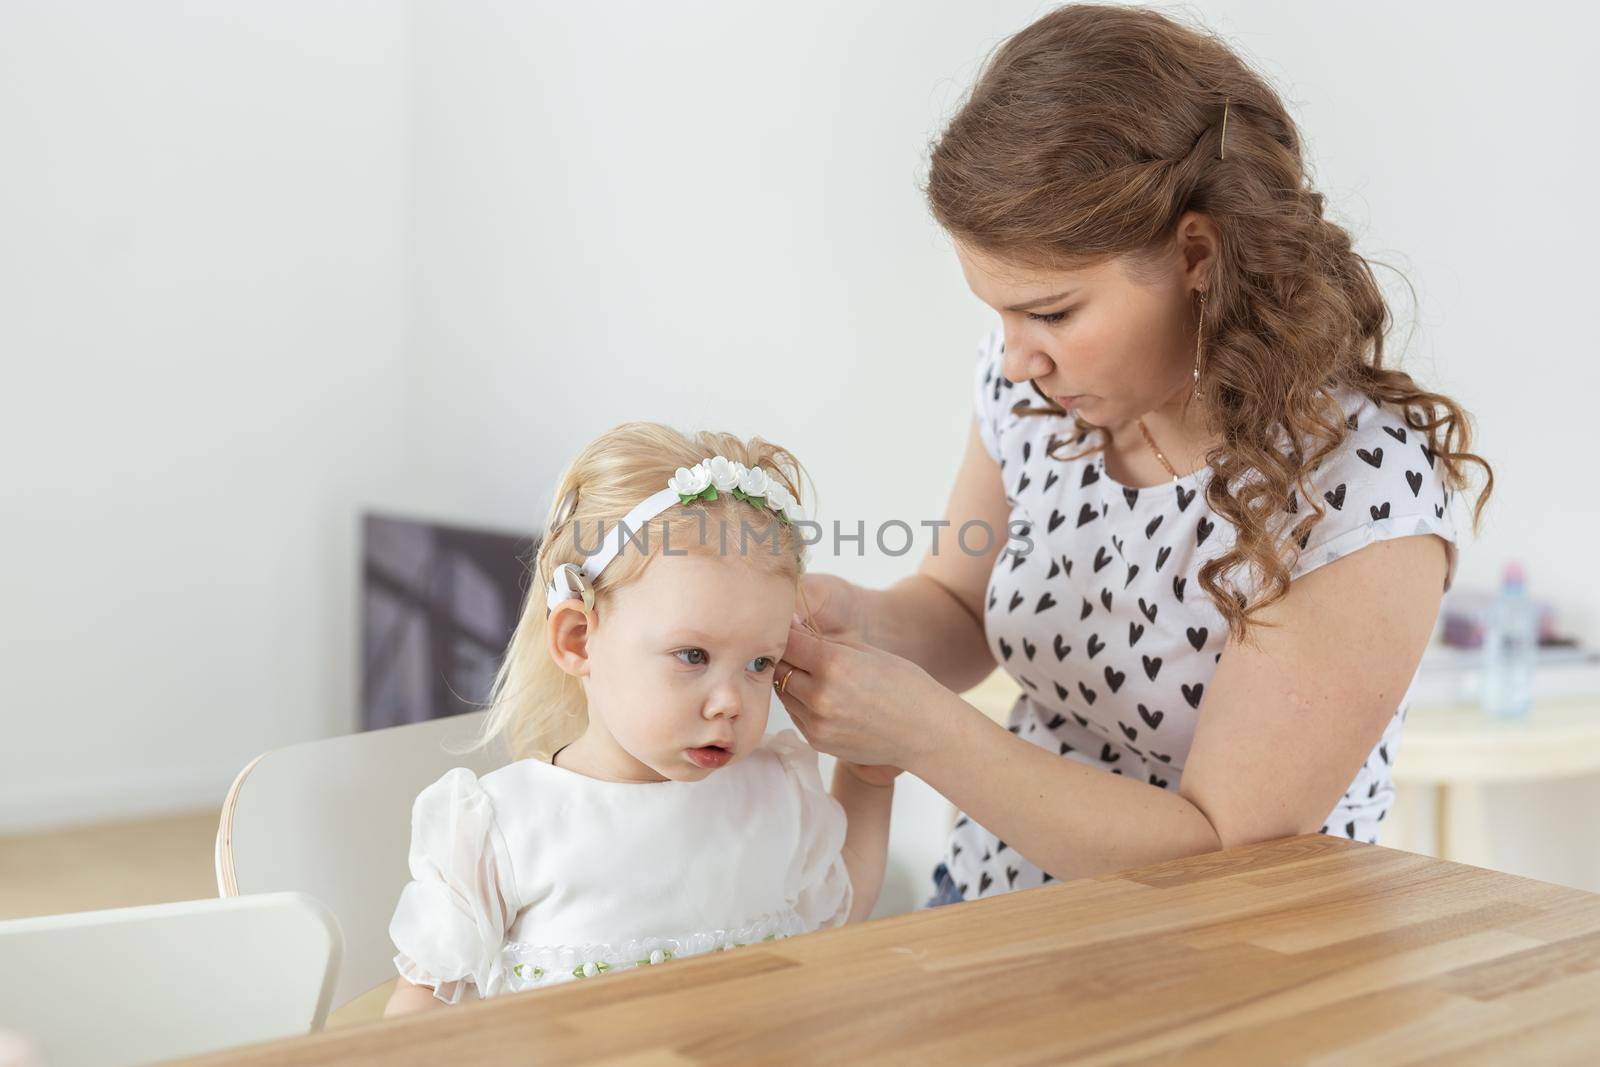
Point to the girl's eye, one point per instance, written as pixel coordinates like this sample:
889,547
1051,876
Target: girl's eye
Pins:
700,652
761,664
1051,318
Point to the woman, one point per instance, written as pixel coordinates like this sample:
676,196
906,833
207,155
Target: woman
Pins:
1237,522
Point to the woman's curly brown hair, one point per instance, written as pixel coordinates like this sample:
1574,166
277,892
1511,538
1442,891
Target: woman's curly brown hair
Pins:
1087,136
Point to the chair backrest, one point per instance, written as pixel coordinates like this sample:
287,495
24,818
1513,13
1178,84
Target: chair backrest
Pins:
134,985
333,819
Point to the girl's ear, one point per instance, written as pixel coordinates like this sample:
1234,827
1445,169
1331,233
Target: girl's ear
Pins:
567,633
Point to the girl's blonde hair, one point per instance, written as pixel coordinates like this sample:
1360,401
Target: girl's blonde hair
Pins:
535,707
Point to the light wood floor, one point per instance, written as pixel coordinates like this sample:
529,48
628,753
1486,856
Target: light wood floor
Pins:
121,865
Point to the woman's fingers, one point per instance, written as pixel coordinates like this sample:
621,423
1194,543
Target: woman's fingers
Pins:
800,686
804,726
799,711
825,600
805,650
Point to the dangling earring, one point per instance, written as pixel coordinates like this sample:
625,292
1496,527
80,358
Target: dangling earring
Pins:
1199,337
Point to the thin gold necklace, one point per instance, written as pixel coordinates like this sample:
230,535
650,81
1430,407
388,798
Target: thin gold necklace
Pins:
1151,441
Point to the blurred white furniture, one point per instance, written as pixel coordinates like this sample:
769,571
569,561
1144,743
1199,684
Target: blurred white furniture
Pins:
332,819
1456,750
133,985
994,695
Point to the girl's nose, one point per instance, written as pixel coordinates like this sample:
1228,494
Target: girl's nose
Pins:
723,703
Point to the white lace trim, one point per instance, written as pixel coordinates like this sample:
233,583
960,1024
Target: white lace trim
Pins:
528,966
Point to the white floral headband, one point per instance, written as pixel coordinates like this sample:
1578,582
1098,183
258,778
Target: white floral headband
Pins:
704,481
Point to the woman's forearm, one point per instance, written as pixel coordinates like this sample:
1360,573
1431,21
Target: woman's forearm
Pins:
1069,819
920,620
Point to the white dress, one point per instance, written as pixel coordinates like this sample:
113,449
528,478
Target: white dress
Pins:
1104,625
534,875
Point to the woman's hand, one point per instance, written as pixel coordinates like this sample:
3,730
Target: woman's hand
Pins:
837,608
865,706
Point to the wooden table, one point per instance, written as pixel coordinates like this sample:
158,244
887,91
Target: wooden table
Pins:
1305,948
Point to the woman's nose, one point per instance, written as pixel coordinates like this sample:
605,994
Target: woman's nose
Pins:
1021,362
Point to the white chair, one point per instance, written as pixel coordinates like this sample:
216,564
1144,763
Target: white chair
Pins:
133,985
333,819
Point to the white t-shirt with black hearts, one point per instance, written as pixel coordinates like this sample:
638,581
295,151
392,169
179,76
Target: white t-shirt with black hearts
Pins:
1103,622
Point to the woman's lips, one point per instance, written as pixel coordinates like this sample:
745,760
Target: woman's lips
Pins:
1069,402
709,756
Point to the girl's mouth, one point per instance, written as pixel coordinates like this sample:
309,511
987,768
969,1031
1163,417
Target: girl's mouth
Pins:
709,757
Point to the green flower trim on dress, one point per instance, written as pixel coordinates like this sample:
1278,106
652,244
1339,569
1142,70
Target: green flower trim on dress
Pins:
558,963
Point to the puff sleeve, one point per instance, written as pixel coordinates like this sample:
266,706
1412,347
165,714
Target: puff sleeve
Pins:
818,882
451,922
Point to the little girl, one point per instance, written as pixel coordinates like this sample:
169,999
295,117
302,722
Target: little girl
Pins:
645,817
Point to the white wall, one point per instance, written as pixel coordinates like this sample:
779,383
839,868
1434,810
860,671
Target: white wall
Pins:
699,213
201,342
455,241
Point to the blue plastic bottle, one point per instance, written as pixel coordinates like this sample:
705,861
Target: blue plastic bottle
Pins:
1510,649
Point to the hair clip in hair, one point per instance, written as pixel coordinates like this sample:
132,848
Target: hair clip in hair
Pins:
569,504
1222,144
570,582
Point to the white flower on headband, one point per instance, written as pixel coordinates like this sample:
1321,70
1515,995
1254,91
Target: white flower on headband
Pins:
753,485
724,473
690,481
754,482
783,502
